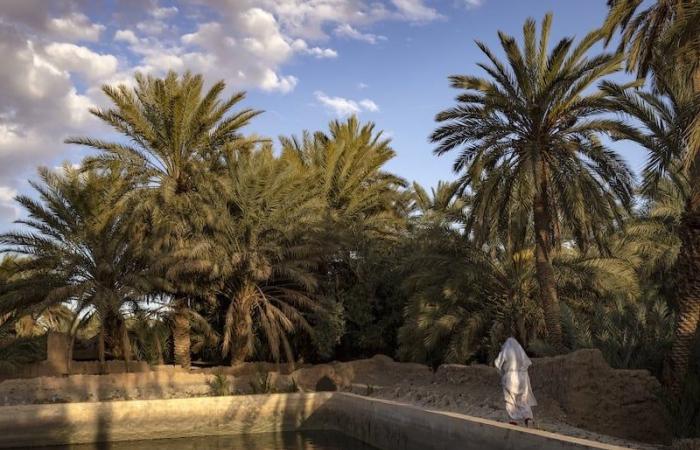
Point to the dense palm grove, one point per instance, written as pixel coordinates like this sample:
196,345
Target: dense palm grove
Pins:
187,238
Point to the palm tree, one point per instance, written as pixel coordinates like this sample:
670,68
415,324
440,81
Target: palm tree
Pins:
347,166
665,119
265,249
176,134
364,208
663,39
666,29
531,148
76,251
444,205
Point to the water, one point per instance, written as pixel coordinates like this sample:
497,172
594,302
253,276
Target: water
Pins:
304,440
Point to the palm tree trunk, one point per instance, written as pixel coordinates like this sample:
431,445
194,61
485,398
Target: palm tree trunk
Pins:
545,270
125,344
242,326
101,349
159,350
689,276
242,334
181,334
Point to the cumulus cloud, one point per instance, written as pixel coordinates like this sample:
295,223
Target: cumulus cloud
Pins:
301,46
39,102
347,31
75,27
416,10
9,210
340,106
74,58
127,36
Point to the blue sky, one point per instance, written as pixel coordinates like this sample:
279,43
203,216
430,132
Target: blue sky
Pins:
305,62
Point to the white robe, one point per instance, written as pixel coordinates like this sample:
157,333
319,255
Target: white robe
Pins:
513,363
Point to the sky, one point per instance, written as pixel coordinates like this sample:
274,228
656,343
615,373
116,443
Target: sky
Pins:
303,62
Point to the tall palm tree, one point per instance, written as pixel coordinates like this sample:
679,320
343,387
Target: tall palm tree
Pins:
175,135
665,119
347,166
77,251
664,38
265,250
363,207
530,145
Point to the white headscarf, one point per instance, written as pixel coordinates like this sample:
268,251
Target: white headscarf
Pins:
512,357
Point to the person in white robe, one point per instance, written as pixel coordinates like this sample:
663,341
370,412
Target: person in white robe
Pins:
512,362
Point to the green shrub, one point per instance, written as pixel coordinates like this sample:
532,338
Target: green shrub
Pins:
220,385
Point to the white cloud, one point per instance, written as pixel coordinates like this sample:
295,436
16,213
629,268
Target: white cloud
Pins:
164,12
273,82
416,10
74,58
255,57
39,102
340,106
362,85
75,26
255,53
471,4
308,19
8,207
152,27
127,36
301,46
369,105
346,30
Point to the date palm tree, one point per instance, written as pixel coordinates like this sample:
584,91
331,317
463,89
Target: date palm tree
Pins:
443,205
663,38
531,151
666,29
347,166
664,120
76,251
174,134
265,249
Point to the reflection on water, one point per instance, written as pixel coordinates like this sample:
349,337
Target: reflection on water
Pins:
305,440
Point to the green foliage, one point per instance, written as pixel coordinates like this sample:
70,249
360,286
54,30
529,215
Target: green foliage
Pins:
220,385
664,31
75,251
264,248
